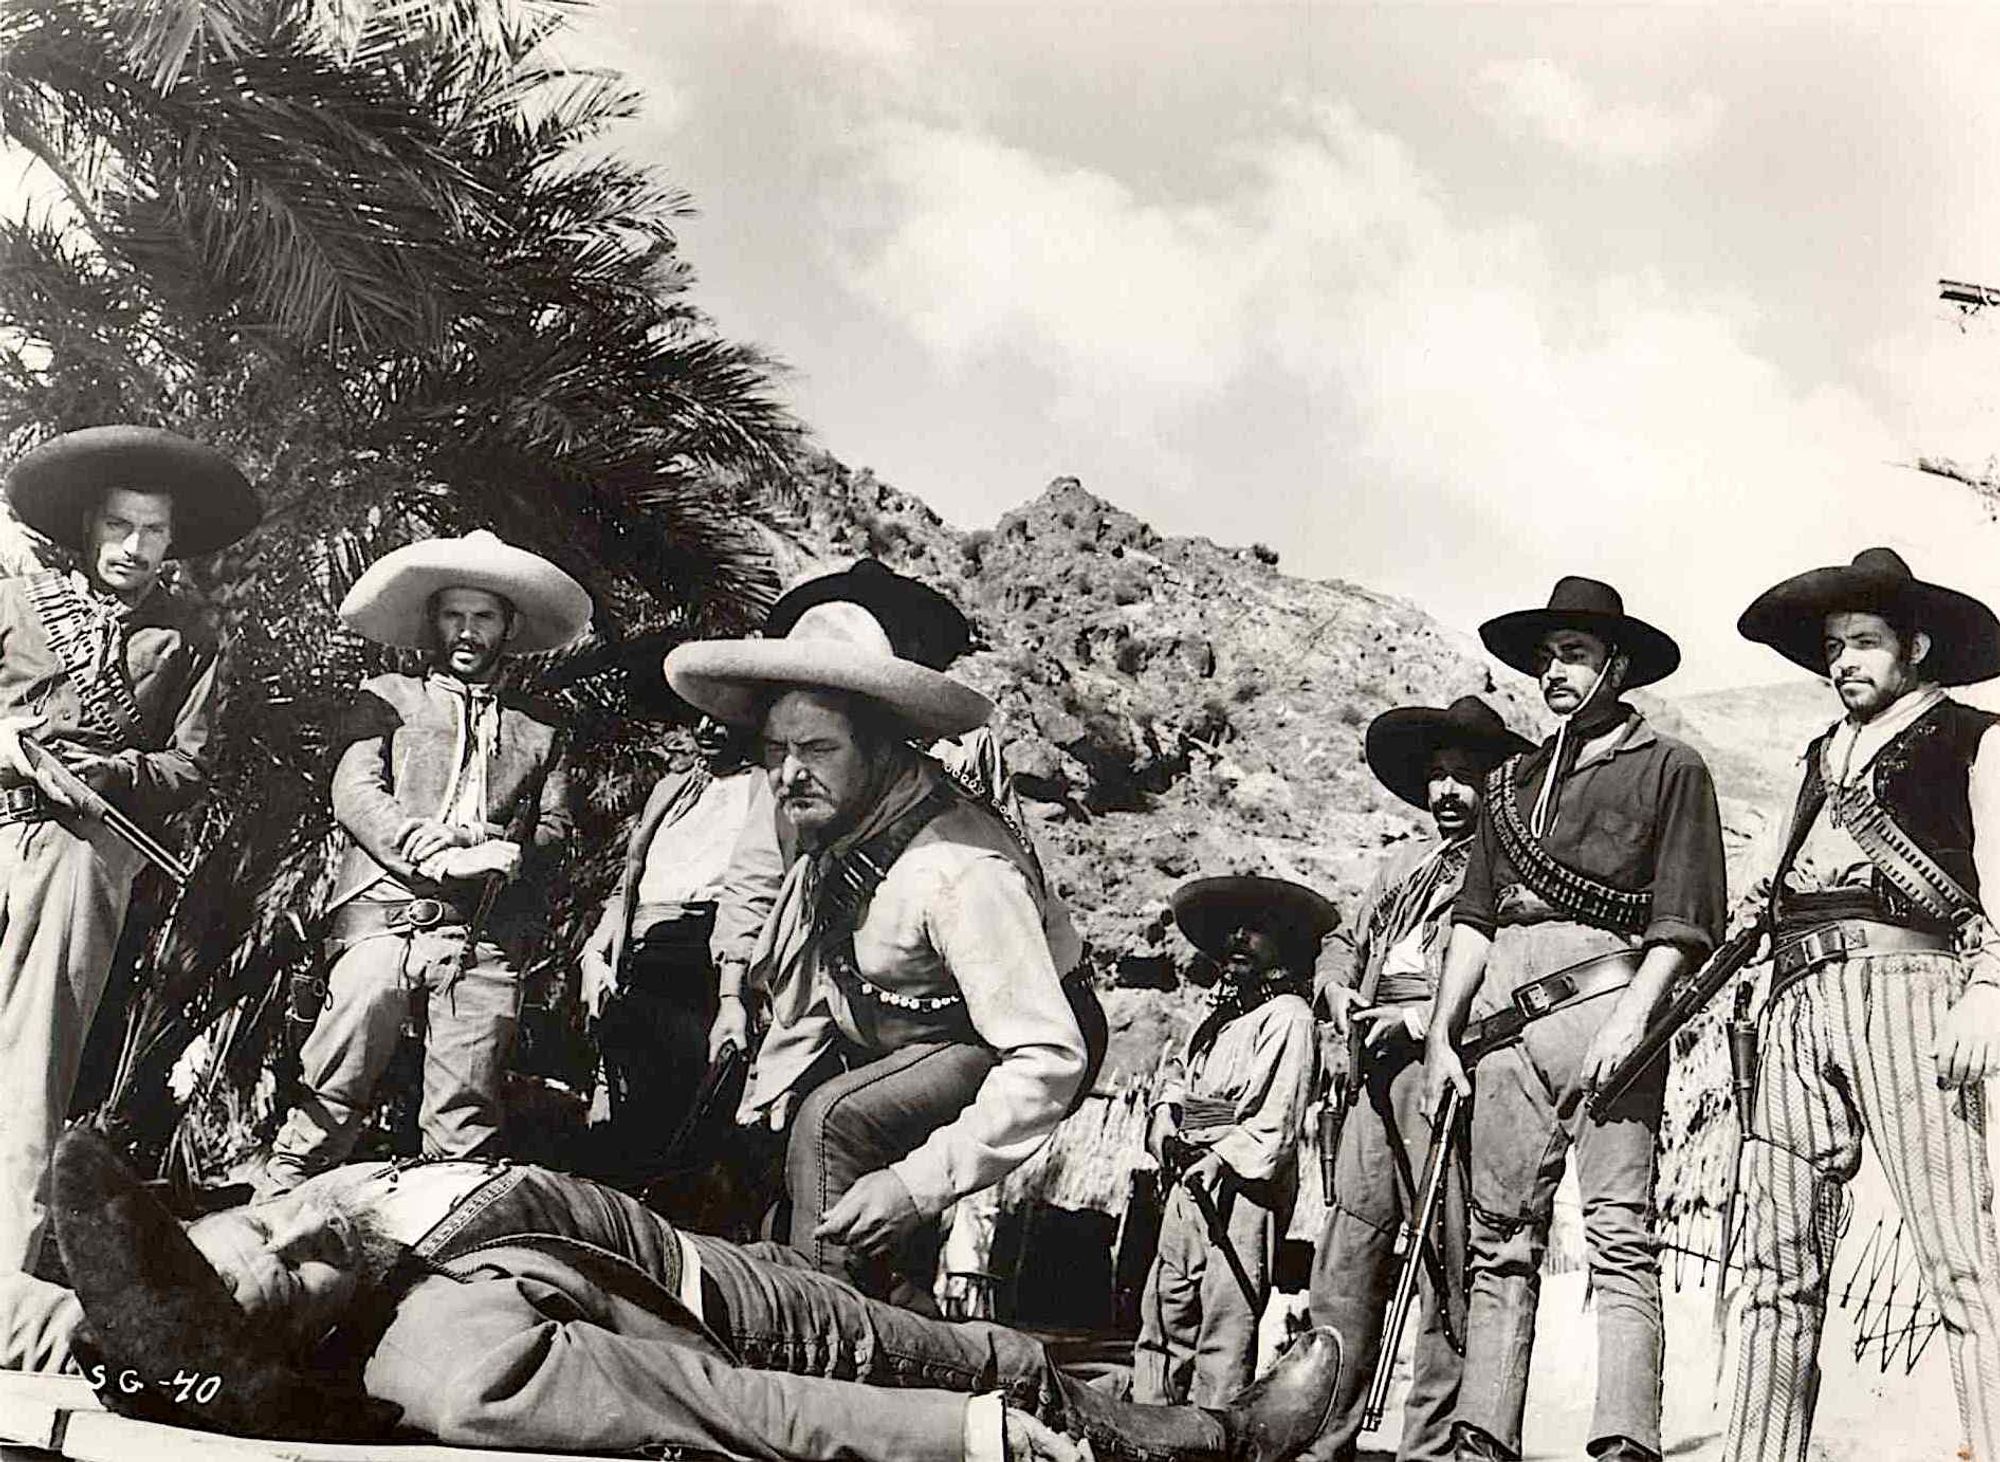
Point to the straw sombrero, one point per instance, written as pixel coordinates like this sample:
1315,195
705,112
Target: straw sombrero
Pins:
390,603
1791,617
1209,910
1591,606
838,645
1401,743
53,487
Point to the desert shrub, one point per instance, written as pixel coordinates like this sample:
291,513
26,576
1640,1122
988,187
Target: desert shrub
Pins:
1264,554
1247,686
1130,656
972,548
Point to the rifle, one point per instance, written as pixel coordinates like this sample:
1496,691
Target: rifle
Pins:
93,805
1722,967
1412,1239
1176,1156
1413,1247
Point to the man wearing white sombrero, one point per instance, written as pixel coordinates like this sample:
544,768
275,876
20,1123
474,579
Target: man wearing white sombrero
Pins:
1595,879
448,786
915,988
1882,1020
116,677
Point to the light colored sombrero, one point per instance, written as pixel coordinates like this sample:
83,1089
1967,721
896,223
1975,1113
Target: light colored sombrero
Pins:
838,645
390,602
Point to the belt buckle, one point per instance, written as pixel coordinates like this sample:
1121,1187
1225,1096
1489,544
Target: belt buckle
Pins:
424,913
1537,1000
1829,941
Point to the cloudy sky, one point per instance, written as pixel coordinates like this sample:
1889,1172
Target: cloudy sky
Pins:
1445,299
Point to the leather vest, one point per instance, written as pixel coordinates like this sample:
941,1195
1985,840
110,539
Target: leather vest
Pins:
1920,779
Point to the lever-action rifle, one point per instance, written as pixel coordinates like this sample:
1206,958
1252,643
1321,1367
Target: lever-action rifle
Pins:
1722,967
93,805
1413,1239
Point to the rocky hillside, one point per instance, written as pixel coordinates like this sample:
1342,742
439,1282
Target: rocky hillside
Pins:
1172,708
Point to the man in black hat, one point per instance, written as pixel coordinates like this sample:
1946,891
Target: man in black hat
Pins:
505,1306
1595,878
1226,1129
1883,1017
115,676
1436,759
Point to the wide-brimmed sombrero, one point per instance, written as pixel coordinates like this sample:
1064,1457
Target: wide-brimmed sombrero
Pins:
921,623
1791,617
1591,606
54,487
390,603
1209,910
1401,742
156,1309
837,645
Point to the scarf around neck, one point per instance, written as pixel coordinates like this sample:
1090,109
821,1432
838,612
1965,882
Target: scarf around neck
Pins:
786,961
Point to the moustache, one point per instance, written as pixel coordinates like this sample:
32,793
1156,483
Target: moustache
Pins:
1452,804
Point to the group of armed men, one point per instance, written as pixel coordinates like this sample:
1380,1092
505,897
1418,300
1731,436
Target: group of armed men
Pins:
841,903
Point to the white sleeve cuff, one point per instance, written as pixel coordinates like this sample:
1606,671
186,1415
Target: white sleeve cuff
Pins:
986,1428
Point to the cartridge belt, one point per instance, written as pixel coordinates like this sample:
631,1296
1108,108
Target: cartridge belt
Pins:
1603,975
1796,951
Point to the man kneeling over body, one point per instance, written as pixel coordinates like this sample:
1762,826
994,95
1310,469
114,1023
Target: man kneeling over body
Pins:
509,1306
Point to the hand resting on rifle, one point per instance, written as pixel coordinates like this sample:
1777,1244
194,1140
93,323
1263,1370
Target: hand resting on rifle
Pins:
14,757
1384,1019
427,839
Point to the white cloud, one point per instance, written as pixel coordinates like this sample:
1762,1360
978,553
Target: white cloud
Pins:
1538,95
1486,418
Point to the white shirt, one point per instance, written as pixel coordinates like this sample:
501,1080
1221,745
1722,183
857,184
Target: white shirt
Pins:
688,856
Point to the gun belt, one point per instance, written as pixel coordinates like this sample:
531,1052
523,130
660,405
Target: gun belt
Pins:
1796,951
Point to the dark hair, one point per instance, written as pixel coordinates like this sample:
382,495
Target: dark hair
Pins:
875,725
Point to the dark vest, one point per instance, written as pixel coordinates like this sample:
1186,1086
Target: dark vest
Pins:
1920,778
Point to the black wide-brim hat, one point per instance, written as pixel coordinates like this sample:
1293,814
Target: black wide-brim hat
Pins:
54,487
157,1309
1791,617
1595,608
1401,743
921,623
1209,910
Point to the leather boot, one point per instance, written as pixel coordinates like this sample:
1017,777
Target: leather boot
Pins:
1621,1449
1273,1419
1470,1444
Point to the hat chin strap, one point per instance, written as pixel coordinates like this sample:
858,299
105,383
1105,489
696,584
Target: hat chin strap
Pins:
1543,816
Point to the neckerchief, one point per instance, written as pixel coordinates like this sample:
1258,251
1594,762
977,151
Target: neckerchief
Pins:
1411,902
788,953
464,802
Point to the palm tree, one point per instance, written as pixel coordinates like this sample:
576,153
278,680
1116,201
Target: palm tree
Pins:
359,246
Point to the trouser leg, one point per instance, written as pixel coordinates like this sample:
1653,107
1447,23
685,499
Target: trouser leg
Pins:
860,1123
62,902
1383,1149
468,1040
1170,1306
1516,1148
1225,1358
1932,1147
654,1041
367,1001
1615,1174
787,1317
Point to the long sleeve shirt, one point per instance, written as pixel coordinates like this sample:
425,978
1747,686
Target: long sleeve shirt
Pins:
955,914
1404,925
170,664
1260,1066
1638,812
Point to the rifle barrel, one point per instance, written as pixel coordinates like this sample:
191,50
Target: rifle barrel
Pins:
1410,1244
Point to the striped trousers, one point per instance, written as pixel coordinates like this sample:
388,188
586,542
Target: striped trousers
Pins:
1848,1050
